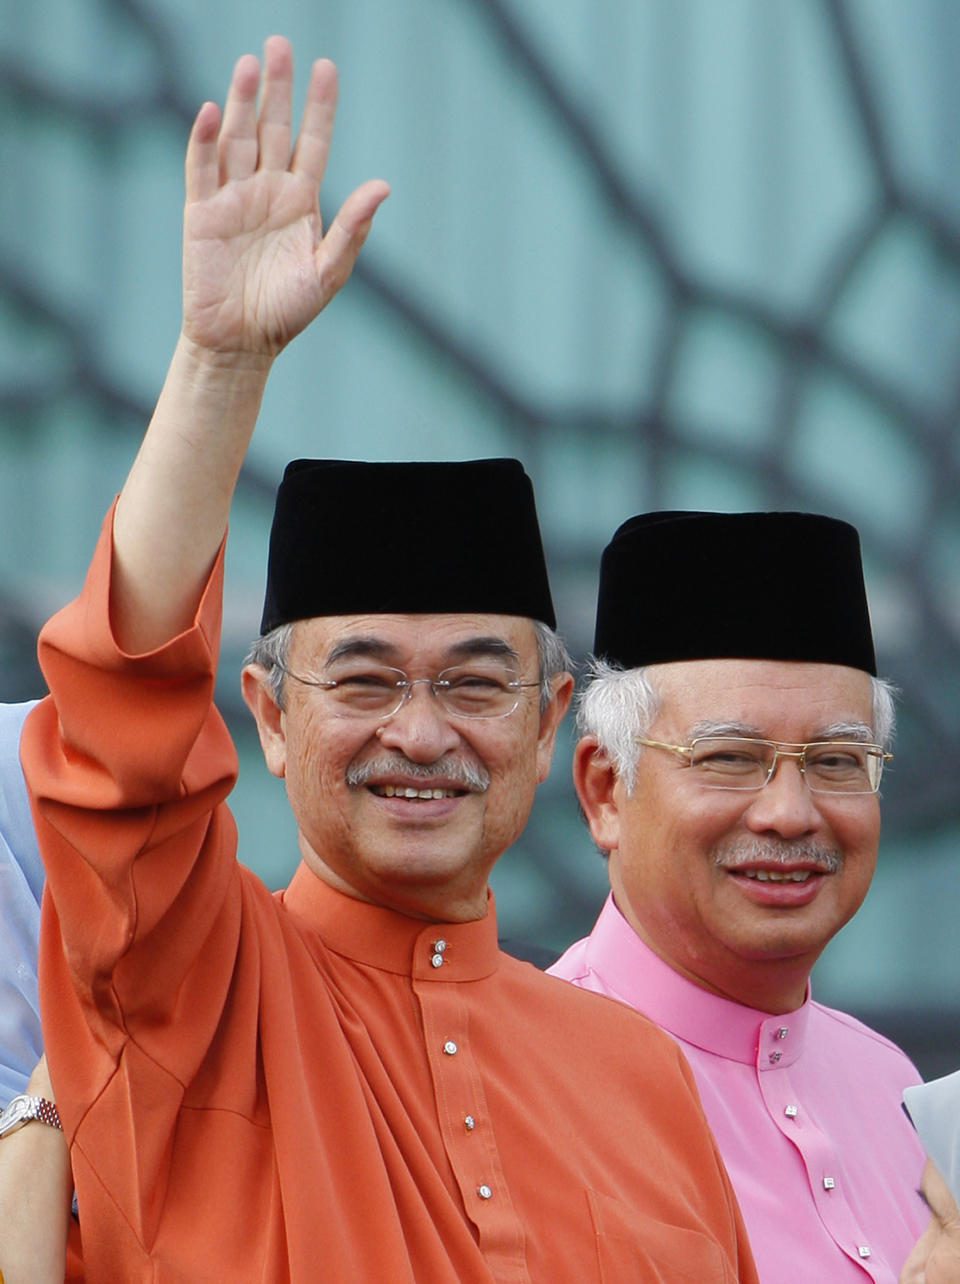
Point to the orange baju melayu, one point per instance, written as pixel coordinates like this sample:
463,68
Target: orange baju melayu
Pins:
302,1086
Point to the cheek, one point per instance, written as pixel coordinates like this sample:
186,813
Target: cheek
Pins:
859,844
513,767
507,749
318,755
857,831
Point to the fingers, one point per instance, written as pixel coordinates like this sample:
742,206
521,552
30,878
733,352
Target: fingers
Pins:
346,234
249,139
316,126
238,145
202,166
275,104
234,147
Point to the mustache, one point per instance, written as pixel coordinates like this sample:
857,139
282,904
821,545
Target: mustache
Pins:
739,852
472,776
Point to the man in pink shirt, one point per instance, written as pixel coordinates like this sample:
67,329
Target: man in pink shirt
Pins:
733,735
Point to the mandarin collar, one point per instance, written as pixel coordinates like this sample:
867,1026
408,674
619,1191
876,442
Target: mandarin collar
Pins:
632,972
393,942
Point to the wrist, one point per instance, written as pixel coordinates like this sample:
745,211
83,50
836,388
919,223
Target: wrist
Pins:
26,1108
219,364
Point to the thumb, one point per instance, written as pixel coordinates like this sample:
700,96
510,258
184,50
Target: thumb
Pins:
337,252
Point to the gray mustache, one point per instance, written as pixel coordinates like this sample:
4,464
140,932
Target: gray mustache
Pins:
474,778
748,851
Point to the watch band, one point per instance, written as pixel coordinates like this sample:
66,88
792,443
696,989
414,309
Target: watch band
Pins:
25,1109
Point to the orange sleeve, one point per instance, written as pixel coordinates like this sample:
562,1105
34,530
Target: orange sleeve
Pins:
127,764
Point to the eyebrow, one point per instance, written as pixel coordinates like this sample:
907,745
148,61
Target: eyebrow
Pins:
370,646
847,731
713,727
470,648
362,645
855,731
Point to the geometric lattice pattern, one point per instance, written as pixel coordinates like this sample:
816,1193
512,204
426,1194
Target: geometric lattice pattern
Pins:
704,254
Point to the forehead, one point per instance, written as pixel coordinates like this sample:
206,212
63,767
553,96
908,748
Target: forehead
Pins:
430,640
765,696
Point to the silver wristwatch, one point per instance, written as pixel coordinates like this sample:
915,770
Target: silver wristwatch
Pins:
23,1109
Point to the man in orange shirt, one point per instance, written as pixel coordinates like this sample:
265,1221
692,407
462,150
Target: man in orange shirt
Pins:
348,1080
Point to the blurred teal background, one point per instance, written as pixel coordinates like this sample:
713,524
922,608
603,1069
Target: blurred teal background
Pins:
671,253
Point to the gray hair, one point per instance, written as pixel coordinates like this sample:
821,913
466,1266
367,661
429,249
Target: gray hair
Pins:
616,705
272,650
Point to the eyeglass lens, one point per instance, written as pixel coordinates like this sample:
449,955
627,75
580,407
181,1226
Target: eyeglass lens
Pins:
468,691
725,762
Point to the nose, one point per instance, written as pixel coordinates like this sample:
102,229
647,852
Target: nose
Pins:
785,806
419,728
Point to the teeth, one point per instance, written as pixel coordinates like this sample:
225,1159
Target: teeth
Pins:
407,791
769,876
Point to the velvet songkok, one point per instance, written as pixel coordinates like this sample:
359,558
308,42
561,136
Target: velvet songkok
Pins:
353,538
768,586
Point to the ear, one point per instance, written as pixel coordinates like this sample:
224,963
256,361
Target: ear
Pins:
258,695
595,780
550,720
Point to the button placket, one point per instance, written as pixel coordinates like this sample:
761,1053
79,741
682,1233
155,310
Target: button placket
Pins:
780,1046
468,1138
775,1056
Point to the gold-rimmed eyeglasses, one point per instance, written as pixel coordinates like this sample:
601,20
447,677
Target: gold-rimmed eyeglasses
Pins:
740,762
463,691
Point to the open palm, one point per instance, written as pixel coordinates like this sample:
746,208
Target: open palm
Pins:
257,266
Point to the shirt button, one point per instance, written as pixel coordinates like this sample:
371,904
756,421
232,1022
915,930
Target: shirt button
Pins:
436,960
791,1111
450,1048
469,1123
783,1032
775,1057
439,945
828,1184
863,1250
486,1193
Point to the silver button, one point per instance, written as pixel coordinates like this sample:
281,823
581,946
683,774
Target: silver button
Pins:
439,945
450,1048
469,1123
775,1057
486,1193
828,1184
791,1111
783,1032
863,1250
436,960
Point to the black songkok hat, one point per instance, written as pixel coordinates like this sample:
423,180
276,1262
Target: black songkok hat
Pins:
353,538
763,586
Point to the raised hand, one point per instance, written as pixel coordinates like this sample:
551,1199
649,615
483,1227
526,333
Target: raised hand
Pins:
257,266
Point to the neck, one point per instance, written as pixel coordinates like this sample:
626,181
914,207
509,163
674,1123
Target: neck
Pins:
772,985
427,902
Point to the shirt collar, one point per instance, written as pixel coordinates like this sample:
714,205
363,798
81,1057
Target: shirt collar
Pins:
390,941
633,973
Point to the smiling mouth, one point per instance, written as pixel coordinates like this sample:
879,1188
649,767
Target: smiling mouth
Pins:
778,876
409,791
